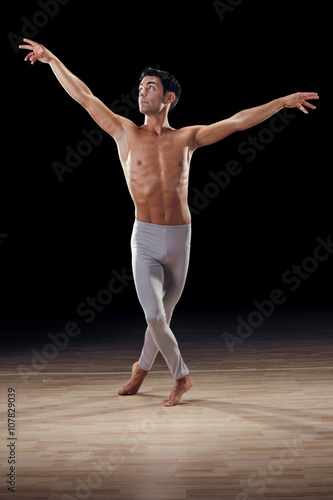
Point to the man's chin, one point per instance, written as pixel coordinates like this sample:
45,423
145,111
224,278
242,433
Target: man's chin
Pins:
144,110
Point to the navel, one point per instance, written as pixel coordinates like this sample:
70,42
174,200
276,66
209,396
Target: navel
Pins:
139,162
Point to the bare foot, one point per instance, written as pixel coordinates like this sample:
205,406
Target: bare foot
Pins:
181,386
134,383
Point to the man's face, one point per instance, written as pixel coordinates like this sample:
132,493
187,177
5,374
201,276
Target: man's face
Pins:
151,98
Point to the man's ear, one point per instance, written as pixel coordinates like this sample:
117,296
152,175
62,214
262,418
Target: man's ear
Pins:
170,97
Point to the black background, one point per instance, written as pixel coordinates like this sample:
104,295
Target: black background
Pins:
64,238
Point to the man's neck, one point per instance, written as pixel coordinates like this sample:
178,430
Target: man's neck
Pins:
157,123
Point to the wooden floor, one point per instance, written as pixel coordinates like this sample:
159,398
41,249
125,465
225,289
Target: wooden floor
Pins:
258,423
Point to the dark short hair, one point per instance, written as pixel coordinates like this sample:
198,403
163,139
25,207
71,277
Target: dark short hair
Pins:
169,82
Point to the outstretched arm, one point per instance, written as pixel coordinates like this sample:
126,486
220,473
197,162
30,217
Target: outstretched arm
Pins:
209,134
108,120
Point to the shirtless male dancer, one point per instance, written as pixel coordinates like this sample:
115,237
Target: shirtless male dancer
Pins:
156,158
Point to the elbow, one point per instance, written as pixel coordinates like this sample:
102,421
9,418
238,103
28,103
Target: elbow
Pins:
85,100
238,123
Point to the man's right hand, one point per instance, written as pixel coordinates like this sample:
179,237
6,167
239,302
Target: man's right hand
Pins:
38,52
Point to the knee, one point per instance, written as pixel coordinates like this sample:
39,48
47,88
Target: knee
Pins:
155,321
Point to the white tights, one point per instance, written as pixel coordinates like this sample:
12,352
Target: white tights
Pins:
160,258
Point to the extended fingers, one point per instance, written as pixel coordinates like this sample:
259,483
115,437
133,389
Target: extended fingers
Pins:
30,41
303,97
309,105
302,109
309,95
30,47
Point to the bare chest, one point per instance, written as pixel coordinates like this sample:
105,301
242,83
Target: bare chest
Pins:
149,161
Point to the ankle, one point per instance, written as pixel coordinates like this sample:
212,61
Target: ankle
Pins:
140,371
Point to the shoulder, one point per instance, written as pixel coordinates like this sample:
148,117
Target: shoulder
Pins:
127,128
189,134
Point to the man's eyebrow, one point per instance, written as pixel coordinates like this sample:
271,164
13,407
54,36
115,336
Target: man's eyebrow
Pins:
147,83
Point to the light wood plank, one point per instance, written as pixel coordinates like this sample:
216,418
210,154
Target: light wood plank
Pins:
257,423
